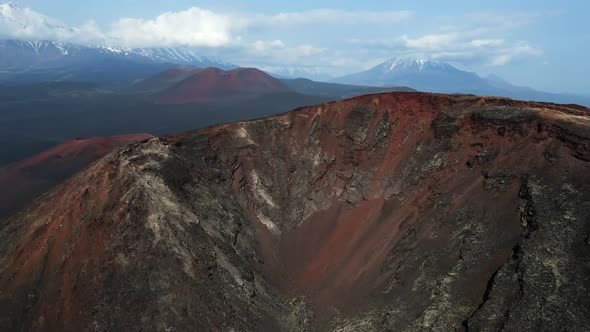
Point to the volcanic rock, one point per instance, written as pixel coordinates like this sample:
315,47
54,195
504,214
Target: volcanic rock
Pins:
389,212
213,84
23,181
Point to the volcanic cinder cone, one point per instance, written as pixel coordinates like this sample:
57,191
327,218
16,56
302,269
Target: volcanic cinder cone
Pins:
390,212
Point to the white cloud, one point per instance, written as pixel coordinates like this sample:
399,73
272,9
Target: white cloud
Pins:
516,52
481,39
200,27
192,27
277,52
333,16
262,46
501,60
266,39
195,26
429,42
486,42
24,23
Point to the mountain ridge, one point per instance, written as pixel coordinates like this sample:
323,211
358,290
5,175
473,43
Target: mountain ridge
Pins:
22,181
179,55
429,75
28,52
328,218
214,84
420,73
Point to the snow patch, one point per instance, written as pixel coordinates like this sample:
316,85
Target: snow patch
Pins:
407,63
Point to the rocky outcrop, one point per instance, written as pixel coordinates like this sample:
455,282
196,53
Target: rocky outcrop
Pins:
390,212
23,181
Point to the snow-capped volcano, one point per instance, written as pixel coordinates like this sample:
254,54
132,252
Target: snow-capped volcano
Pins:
438,76
413,64
180,55
33,42
419,73
45,53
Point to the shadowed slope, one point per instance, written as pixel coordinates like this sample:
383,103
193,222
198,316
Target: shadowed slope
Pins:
21,182
400,211
164,79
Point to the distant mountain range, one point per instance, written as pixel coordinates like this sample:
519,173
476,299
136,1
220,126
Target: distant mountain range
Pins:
28,61
48,60
18,54
335,90
36,61
213,84
438,76
24,61
197,85
421,74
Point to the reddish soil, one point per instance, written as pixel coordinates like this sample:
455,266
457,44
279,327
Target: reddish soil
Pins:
212,84
388,212
337,253
23,181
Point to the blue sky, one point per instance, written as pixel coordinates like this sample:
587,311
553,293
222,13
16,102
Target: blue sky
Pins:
542,44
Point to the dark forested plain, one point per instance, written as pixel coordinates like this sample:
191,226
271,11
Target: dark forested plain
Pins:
32,120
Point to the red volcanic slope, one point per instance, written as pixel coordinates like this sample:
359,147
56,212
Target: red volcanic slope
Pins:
387,212
21,182
212,84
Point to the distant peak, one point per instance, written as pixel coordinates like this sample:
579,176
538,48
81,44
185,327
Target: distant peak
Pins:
415,63
410,59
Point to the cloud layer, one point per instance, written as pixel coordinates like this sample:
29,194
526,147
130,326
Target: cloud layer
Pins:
332,16
195,26
275,40
192,27
480,39
24,23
